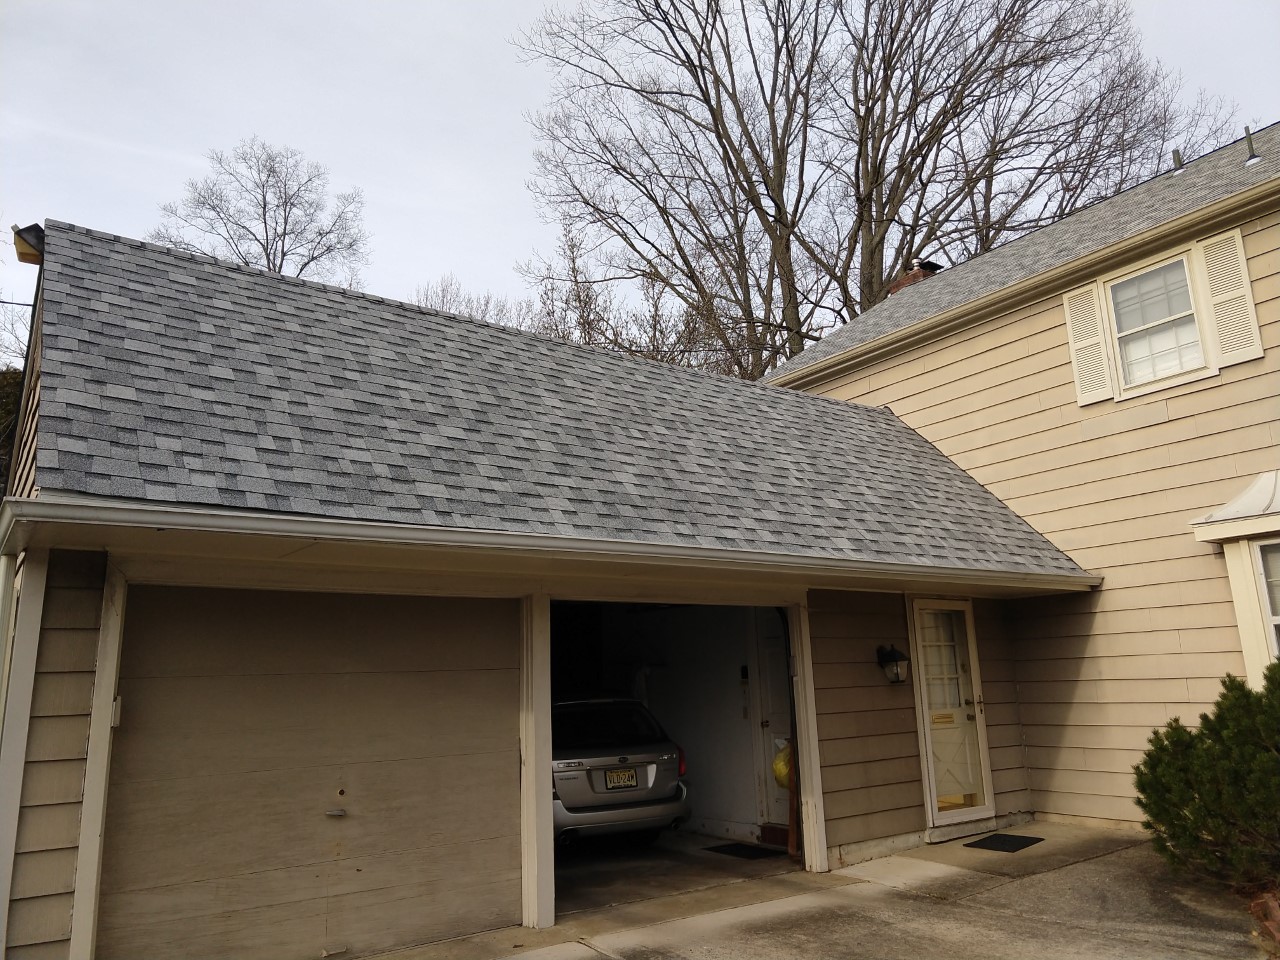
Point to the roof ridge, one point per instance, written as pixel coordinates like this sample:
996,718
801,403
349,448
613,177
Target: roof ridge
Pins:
915,293
361,295
1186,165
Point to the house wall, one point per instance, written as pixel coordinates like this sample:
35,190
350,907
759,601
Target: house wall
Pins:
44,867
1114,484
872,781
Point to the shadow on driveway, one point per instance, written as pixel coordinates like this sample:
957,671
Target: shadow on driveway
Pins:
1080,894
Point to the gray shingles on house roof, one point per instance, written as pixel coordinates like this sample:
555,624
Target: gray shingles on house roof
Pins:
175,378
1157,201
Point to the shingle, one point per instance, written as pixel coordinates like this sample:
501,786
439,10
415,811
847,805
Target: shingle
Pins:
1157,201
213,395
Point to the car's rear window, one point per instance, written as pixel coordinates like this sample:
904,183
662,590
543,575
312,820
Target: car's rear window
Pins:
577,726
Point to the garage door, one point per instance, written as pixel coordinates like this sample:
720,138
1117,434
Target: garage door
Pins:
301,773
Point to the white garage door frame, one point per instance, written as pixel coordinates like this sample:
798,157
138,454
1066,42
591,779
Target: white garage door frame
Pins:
537,828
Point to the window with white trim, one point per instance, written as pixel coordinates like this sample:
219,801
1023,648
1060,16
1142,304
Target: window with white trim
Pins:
1270,572
1156,329
1169,320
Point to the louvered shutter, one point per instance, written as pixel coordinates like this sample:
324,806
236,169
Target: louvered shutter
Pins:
1230,300
1086,333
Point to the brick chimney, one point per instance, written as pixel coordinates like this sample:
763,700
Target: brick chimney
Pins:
920,269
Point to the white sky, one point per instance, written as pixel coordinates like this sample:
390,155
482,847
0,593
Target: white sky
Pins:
108,106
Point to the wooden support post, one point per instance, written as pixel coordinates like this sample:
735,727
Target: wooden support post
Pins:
537,831
813,822
93,813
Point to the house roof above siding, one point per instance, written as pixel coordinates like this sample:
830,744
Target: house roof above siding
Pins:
176,379
1150,204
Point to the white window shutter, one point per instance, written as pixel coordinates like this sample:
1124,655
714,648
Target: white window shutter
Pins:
1086,332
1230,299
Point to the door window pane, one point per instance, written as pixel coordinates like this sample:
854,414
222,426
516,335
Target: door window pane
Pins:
951,715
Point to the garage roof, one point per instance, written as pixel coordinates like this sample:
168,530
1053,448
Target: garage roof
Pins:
173,378
1149,204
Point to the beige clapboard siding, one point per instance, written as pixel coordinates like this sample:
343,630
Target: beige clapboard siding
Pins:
44,865
248,714
1115,485
998,666
868,744
24,460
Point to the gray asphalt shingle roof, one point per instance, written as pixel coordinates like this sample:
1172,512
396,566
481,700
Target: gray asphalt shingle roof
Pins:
177,379
1162,199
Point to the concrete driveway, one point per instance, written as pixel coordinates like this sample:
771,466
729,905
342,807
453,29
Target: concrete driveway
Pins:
1080,893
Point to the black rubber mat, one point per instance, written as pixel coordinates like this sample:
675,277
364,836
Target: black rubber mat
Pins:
1004,843
746,851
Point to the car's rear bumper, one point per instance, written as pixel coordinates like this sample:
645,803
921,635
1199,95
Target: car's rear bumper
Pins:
621,818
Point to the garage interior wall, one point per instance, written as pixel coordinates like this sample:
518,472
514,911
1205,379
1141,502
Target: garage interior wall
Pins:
693,658
296,773
693,666
44,866
868,745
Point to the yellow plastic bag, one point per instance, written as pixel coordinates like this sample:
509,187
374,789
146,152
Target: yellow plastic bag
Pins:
782,766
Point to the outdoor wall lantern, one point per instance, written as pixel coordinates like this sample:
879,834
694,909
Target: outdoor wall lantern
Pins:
893,662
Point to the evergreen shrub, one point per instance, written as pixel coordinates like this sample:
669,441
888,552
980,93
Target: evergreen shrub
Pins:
1211,795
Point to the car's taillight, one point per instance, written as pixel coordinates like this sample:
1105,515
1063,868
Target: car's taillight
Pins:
683,768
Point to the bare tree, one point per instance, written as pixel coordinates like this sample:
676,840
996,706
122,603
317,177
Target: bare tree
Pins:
774,163
15,320
268,206
571,304
447,295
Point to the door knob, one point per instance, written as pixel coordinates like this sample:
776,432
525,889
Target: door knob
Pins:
764,723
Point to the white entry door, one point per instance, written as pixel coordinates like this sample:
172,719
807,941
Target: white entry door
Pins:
772,711
953,729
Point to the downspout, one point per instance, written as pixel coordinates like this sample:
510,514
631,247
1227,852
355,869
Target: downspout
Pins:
8,589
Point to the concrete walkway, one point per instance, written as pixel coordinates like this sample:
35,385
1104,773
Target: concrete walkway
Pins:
1081,894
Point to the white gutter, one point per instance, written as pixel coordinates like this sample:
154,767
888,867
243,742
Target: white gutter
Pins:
54,508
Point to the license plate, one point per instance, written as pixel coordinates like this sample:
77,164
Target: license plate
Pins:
617,779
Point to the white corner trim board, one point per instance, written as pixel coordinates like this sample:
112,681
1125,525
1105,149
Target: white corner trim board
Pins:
537,830
17,717
93,812
809,767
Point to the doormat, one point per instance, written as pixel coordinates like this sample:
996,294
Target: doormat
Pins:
746,851
1004,843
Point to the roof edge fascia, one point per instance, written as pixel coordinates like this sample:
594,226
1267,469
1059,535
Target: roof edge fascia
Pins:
1036,287
16,513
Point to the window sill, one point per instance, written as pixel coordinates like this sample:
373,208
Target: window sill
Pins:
1165,383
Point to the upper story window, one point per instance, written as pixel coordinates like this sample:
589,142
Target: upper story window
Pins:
1170,320
1156,324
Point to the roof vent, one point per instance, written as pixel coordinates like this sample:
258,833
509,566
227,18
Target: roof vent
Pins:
920,269
1248,142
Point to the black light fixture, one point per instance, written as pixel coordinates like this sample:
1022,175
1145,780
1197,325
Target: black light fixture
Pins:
893,662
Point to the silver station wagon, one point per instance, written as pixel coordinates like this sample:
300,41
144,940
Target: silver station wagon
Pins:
614,769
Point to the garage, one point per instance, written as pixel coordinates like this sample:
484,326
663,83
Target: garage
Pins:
298,775
716,679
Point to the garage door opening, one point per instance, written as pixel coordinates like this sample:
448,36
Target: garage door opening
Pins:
716,683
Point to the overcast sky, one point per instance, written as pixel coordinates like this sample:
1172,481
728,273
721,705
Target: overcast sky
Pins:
108,107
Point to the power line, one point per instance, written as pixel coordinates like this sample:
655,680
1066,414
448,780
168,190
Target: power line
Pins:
15,303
